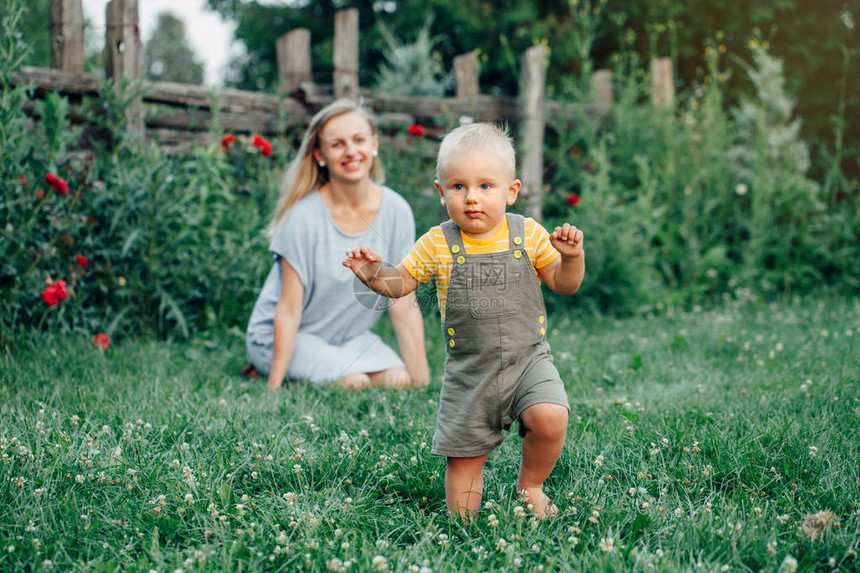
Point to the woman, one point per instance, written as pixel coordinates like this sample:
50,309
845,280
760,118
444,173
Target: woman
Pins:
312,319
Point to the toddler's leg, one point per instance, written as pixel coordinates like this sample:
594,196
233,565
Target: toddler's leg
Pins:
546,429
464,484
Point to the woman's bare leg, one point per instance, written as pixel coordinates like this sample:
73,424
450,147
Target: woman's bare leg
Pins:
355,381
396,377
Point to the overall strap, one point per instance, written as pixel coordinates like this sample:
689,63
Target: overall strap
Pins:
516,231
453,238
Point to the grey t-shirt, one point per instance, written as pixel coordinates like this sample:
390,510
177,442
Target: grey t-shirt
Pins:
337,307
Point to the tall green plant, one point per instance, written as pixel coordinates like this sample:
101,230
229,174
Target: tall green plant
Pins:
411,69
772,160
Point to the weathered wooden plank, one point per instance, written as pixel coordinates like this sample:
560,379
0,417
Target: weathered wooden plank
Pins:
123,51
662,83
294,59
167,93
532,128
466,72
345,54
601,88
479,108
48,80
199,120
67,35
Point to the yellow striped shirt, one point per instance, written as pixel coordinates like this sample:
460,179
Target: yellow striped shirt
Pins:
430,257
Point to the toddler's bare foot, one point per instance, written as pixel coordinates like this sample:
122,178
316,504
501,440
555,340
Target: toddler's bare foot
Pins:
538,503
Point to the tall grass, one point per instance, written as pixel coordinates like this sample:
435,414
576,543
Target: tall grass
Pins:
714,440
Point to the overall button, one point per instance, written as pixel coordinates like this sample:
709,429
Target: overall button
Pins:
518,240
455,249
541,319
450,332
461,259
542,332
518,254
451,343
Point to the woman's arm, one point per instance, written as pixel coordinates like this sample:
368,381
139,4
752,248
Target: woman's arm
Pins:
288,315
409,328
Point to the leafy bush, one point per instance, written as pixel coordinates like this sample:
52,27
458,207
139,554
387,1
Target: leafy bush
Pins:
699,199
128,239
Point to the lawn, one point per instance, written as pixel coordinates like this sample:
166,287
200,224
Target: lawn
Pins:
715,440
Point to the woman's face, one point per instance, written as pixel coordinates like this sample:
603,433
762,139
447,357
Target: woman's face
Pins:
347,145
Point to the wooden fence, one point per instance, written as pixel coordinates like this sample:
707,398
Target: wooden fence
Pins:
180,114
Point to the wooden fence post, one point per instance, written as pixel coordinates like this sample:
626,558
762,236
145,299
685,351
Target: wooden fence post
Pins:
346,53
67,35
466,71
662,83
531,144
294,59
123,51
601,89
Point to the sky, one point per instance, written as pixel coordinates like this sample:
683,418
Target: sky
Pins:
209,36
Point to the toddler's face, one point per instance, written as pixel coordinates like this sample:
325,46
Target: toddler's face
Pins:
476,187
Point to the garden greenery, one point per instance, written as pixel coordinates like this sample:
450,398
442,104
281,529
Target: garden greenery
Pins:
690,203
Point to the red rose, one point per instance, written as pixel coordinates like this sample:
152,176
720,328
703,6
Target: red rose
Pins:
56,183
54,293
227,141
40,194
23,180
416,130
101,340
81,260
573,199
263,145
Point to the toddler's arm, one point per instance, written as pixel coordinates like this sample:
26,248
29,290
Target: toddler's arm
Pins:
564,275
393,282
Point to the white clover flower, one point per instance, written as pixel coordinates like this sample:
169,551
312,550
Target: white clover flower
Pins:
789,565
380,563
607,545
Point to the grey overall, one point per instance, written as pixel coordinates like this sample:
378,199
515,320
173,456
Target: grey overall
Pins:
498,362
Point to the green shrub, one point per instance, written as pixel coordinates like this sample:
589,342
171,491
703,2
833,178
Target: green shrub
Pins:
128,239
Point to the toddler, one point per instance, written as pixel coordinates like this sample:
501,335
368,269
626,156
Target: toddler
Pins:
488,265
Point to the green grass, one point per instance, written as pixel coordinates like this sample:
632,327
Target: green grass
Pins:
698,441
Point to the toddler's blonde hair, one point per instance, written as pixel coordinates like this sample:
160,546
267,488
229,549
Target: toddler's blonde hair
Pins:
474,136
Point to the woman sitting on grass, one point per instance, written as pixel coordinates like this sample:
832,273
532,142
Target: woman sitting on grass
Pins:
306,324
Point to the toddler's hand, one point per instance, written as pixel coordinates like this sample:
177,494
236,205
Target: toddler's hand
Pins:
364,262
567,240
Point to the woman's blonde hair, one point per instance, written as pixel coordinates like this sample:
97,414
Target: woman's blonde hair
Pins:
304,175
